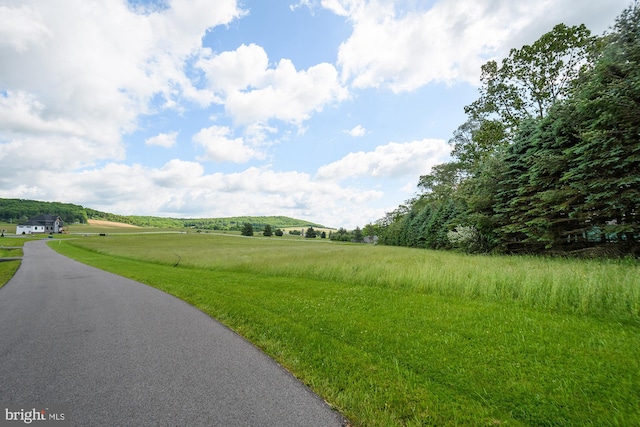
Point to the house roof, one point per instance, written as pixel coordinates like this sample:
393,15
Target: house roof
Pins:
43,219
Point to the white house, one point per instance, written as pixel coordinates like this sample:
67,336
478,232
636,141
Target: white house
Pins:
29,229
41,224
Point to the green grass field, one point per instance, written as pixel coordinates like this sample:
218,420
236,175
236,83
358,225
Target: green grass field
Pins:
394,336
7,270
8,250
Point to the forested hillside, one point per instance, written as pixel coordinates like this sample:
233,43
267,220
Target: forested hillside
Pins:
548,160
18,210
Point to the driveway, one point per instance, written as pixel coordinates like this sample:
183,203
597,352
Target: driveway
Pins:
120,353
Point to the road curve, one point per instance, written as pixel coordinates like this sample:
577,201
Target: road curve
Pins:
121,353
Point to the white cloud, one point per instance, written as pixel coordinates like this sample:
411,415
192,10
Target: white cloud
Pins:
254,93
83,75
236,70
442,44
289,95
357,131
403,46
182,26
21,26
28,161
166,140
22,113
177,174
293,7
219,146
259,135
339,7
390,160
182,189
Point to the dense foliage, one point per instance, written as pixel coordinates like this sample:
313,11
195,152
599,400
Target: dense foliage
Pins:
355,236
548,160
18,210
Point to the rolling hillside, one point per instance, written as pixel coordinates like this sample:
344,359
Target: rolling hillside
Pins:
18,210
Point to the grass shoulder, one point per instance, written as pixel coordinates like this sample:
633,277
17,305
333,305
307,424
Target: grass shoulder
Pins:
7,270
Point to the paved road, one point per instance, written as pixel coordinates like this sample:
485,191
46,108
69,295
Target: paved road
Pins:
120,353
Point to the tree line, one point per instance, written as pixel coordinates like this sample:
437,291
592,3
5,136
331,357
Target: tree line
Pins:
548,160
249,230
16,211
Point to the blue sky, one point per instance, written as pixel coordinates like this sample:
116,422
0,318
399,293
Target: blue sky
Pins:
326,110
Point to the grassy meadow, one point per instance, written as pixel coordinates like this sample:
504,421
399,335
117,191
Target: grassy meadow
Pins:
395,336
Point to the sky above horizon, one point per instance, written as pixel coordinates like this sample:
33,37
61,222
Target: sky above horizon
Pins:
323,110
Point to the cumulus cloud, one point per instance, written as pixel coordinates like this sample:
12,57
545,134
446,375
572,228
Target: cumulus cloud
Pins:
390,160
441,44
291,193
233,71
177,174
220,146
259,134
252,92
83,75
403,46
182,189
21,26
166,140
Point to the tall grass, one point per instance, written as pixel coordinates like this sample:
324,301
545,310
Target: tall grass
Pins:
608,288
399,337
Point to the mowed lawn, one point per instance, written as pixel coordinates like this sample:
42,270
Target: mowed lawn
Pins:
9,248
395,336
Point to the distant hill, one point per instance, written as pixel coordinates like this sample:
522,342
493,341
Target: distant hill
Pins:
19,210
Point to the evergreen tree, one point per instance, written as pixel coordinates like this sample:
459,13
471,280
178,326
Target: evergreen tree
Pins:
550,218
607,111
477,199
310,233
247,229
549,158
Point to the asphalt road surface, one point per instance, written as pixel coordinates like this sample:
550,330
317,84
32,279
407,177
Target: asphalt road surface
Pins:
120,353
